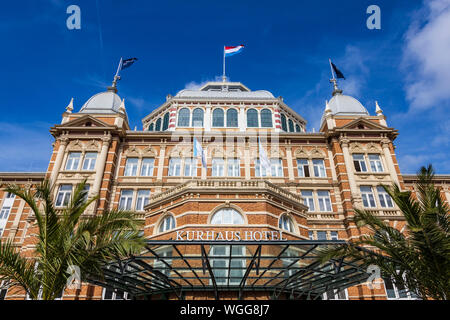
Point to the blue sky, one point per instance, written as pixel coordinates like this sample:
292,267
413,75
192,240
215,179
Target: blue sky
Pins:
405,66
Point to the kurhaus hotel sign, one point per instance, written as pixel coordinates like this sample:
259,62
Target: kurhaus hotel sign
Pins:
210,235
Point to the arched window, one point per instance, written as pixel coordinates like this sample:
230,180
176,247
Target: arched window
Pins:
291,125
266,118
197,117
285,223
168,223
252,118
283,123
158,125
151,127
232,118
184,117
217,118
297,128
165,125
227,216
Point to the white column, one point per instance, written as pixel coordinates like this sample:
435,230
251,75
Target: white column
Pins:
247,162
59,157
289,163
207,119
100,165
349,168
162,153
388,156
242,122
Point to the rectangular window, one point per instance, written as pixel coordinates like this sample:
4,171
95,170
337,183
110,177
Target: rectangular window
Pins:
260,171
89,161
303,168
375,163
367,196
226,269
115,294
323,197
147,167
166,254
73,161
4,213
126,197
175,167
143,197
234,169
63,196
218,167
385,198
276,166
86,189
334,235
131,167
321,235
394,291
359,162
335,294
319,168
10,195
311,235
308,199
190,167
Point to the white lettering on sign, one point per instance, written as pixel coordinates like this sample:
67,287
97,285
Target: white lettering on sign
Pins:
229,235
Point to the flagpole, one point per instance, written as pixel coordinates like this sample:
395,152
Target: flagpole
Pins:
334,80
117,77
224,78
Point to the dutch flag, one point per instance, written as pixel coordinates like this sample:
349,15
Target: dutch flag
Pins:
229,51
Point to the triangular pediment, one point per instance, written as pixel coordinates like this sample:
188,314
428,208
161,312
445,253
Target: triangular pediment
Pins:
85,121
363,124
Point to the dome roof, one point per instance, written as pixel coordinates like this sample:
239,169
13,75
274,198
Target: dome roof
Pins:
103,102
225,90
341,104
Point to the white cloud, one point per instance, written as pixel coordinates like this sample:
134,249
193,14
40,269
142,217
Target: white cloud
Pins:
426,56
197,85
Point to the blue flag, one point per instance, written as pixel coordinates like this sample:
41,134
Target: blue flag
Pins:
127,63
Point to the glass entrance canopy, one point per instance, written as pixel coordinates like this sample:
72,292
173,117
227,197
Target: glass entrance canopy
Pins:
284,269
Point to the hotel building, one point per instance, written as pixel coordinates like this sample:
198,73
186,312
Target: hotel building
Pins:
235,228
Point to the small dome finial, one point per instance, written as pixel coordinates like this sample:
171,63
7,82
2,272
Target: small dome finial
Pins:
378,109
69,107
122,106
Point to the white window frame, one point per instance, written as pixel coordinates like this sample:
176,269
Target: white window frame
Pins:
276,168
89,161
114,294
336,294
396,291
163,252
190,167
126,200
227,216
131,168
224,261
308,200
361,162
233,167
285,222
73,163
303,168
319,168
65,196
147,167
167,223
3,289
368,197
174,167
383,196
375,164
218,167
324,201
142,199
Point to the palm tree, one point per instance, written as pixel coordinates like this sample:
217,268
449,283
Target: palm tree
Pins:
419,258
67,238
